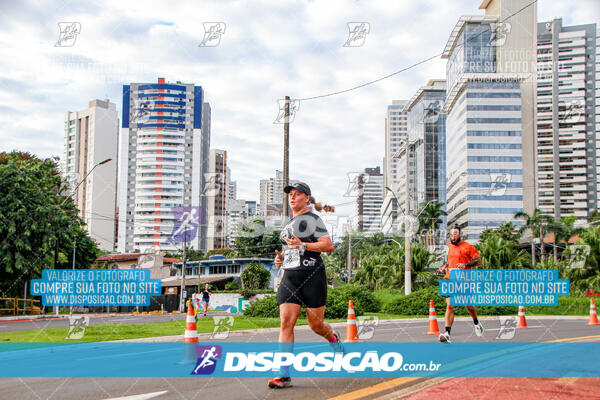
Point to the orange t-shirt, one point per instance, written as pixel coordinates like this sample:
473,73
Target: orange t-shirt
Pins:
460,254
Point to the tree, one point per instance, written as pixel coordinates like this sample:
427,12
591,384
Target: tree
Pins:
589,275
430,218
256,240
563,230
536,223
254,277
497,253
39,226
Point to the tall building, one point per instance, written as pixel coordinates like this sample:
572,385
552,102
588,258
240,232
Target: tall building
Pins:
271,194
427,143
568,124
163,160
231,186
237,211
91,136
490,106
252,209
396,128
217,200
369,200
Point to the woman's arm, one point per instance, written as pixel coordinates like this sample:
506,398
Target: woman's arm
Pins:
322,245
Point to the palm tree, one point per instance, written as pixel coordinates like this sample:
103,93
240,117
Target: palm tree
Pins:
498,253
563,229
429,217
535,223
508,231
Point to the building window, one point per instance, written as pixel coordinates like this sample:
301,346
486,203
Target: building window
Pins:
218,269
234,269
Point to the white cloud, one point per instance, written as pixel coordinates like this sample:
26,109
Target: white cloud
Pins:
269,50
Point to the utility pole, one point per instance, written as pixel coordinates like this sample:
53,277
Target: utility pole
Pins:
183,264
349,258
407,236
286,161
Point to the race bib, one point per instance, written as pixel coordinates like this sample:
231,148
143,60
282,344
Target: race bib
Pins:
291,258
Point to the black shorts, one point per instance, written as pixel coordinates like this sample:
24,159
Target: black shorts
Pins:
305,287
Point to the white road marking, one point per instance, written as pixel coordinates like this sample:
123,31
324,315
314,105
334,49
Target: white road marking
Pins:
143,396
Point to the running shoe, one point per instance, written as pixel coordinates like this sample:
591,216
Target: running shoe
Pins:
479,329
338,346
445,337
280,382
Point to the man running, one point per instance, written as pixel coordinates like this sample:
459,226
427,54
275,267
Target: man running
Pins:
461,255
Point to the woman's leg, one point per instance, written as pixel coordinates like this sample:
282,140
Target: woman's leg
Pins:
288,315
316,321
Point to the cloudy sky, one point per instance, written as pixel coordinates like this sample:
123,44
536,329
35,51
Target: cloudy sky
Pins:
269,49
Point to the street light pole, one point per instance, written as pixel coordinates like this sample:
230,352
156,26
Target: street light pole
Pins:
63,202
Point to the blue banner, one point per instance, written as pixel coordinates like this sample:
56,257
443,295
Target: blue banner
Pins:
223,359
503,287
95,287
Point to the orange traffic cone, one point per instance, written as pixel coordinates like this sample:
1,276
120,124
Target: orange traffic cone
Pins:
522,321
351,329
433,325
190,337
191,333
593,315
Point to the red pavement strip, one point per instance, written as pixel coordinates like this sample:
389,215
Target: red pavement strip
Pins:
512,388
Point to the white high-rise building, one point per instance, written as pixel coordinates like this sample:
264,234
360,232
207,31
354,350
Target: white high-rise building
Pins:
490,107
568,123
91,136
396,129
369,200
271,194
163,163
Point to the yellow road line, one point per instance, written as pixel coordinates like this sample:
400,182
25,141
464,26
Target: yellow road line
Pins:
380,387
573,338
567,380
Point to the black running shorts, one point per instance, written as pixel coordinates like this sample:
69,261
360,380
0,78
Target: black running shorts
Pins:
305,287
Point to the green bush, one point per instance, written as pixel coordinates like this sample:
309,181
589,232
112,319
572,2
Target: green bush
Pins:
567,305
336,306
338,297
254,276
265,307
233,285
417,303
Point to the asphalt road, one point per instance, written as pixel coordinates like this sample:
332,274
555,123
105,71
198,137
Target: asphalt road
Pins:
540,330
21,325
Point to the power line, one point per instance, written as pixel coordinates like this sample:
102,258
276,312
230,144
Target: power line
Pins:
406,68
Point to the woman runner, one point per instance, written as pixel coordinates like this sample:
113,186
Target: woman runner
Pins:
304,283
